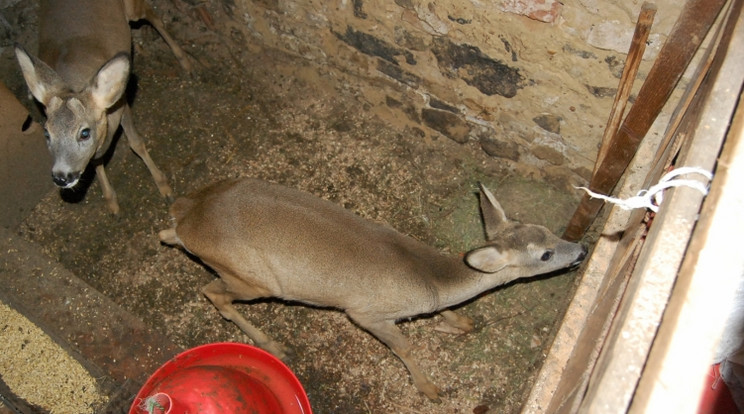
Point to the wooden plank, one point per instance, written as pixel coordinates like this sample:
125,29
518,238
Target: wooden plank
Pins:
705,285
576,376
625,354
684,40
630,70
670,144
564,376
563,380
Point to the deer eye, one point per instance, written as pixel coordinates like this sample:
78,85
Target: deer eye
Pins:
547,255
85,134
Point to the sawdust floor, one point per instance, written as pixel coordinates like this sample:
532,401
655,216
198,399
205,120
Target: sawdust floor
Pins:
283,121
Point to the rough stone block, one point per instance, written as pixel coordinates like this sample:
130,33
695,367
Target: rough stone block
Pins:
549,154
373,46
448,124
500,149
397,73
490,76
549,122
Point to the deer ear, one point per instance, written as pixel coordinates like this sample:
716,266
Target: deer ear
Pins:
42,81
494,218
487,259
110,82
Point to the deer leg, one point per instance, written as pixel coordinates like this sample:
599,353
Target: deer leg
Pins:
157,23
137,143
222,297
454,323
387,332
108,192
140,9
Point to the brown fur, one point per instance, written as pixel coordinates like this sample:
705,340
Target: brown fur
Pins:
266,240
80,77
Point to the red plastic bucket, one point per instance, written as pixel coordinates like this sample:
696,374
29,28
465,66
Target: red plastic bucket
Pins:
224,378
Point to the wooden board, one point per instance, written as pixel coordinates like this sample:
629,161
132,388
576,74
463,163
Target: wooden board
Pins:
624,355
684,40
611,378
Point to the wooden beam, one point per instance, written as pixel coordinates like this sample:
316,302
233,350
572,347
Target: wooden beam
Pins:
626,351
707,279
630,70
565,376
686,36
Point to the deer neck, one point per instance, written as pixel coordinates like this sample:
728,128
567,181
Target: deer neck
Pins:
459,282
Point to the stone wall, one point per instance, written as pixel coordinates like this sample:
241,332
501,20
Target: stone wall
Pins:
532,81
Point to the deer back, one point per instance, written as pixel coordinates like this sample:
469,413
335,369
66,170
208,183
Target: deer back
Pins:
76,37
300,247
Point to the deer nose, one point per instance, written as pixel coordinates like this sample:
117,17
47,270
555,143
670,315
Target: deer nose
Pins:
65,180
582,255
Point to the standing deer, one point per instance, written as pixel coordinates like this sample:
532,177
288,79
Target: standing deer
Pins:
80,77
266,240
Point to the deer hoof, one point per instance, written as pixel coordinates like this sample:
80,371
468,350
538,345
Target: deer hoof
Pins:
278,350
431,391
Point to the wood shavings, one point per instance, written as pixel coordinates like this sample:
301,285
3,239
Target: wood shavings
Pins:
50,379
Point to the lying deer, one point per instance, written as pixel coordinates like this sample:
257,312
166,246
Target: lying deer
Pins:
80,78
266,240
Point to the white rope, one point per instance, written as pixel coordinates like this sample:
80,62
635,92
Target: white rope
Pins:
652,198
